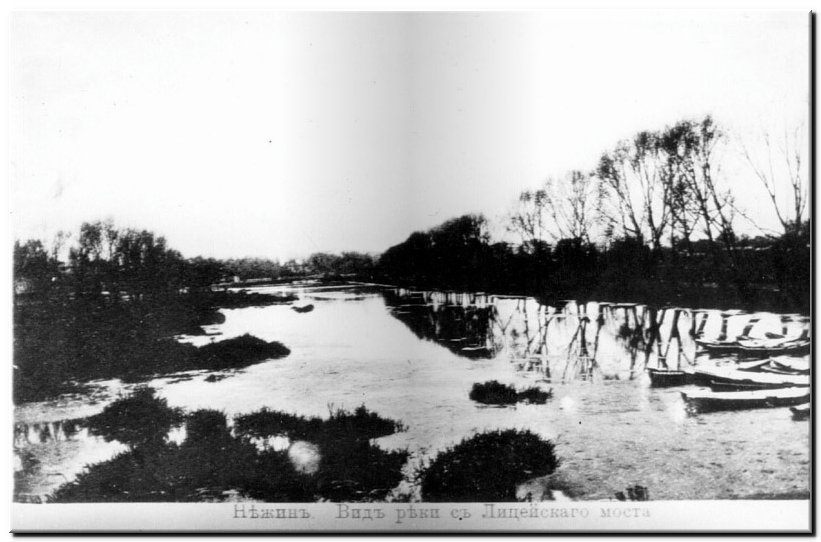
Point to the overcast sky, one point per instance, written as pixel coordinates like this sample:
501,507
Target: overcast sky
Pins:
280,134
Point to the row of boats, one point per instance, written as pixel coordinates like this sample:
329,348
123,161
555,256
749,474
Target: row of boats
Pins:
772,382
748,345
773,344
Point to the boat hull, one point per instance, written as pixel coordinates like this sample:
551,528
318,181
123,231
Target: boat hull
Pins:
740,400
661,378
735,379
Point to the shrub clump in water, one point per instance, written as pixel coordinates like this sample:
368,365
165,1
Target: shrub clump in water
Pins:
350,468
358,425
496,393
238,352
487,467
139,419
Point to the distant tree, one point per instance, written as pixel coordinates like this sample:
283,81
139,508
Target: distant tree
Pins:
529,219
32,264
200,273
786,184
321,262
573,205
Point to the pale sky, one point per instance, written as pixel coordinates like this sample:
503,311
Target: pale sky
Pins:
280,134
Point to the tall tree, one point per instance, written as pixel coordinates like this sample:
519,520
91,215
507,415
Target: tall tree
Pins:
782,173
634,199
529,220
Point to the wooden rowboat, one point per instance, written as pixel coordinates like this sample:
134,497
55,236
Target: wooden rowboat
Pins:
774,346
751,365
798,365
665,378
748,379
709,401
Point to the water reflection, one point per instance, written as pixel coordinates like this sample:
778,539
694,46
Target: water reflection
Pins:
26,434
459,322
578,340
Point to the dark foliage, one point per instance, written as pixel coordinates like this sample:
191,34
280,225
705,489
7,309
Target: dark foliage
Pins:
487,467
458,255
306,308
242,299
58,342
359,425
238,352
496,393
211,462
136,420
633,493
535,396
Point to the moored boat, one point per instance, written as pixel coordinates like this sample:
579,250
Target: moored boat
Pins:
665,378
751,365
747,379
770,346
798,365
709,401
718,346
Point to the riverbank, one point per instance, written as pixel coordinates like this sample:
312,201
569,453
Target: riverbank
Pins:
59,343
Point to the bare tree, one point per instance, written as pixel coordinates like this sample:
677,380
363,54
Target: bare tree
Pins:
573,204
529,219
783,176
633,196
695,198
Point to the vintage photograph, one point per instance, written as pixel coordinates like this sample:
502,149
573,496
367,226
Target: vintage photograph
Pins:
319,268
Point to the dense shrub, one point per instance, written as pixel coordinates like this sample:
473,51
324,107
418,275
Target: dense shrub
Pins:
211,464
359,425
139,419
487,467
535,396
495,393
238,352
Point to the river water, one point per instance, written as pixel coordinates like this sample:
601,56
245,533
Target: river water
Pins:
414,356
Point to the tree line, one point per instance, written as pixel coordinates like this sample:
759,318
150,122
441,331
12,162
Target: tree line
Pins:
654,217
126,264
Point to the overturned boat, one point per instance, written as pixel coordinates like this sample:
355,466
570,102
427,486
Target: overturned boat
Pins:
710,401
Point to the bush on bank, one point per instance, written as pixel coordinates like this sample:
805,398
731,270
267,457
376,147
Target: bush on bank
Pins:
487,467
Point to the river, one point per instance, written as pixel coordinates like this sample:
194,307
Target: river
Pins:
414,356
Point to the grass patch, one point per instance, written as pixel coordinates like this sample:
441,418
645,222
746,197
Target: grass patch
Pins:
487,467
496,393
